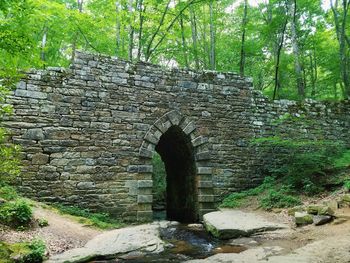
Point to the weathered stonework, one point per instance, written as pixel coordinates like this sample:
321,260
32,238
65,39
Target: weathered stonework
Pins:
88,133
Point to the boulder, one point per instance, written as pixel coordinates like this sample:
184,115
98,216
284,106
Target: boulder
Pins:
229,224
302,218
319,210
321,219
140,239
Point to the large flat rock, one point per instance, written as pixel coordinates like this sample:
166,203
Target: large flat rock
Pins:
143,238
233,223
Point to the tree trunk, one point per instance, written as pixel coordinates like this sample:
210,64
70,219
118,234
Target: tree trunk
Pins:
141,18
244,24
74,45
340,26
184,46
278,56
117,29
194,37
296,51
43,44
131,31
212,37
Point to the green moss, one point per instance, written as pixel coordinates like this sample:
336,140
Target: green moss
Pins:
23,252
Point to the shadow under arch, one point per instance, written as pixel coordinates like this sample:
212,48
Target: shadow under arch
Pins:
186,155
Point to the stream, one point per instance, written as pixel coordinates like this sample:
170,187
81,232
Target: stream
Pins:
183,243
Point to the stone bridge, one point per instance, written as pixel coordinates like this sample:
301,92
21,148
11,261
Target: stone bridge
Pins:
88,134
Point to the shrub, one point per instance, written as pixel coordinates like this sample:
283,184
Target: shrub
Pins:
23,252
300,164
9,161
278,199
235,199
42,222
159,179
347,185
16,213
8,193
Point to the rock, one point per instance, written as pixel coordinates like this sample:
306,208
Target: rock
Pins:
325,210
137,239
195,226
313,209
319,210
346,198
232,224
292,210
321,219
302,218
40,158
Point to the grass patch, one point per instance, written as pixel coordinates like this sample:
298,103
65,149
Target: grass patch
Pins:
24,252
343,161
86,217
269,194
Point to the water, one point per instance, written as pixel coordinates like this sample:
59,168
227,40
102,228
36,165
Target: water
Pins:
183,243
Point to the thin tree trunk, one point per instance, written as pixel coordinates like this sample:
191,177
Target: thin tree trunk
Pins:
212,61
340,27
296,52
117,29
75,39
184,45
194,37
131,31
279,49
142,17
43,44
244,24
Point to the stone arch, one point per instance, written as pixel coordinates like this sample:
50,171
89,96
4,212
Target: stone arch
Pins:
202,161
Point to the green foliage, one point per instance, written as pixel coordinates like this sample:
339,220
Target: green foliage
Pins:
42,222
159,179
237,199
301,164
24,252
9,159
99,220
347,185
343,161
8,193
16,213
278,199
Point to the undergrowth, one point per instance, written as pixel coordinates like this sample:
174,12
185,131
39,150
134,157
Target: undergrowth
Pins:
86,217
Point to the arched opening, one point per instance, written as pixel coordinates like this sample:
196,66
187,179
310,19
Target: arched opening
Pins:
177,153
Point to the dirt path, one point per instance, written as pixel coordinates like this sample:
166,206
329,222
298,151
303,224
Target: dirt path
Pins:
61,234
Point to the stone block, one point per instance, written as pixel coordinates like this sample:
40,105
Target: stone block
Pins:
40,158
142,199
86,185
204,170
145,183
34,134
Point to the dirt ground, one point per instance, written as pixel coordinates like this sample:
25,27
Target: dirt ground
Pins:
61,234
328,243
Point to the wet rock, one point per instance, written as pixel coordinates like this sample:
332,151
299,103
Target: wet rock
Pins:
302,218
138,239
321,219
232,224
319,210
195,226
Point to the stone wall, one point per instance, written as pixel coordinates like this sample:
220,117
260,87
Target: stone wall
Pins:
88,133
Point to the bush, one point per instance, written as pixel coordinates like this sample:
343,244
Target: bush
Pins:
300,164
235,199
42,222
278,199
159,179
9,161
23,252
8,193
16,213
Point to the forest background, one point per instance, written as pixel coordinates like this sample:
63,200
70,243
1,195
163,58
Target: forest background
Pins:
293,49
